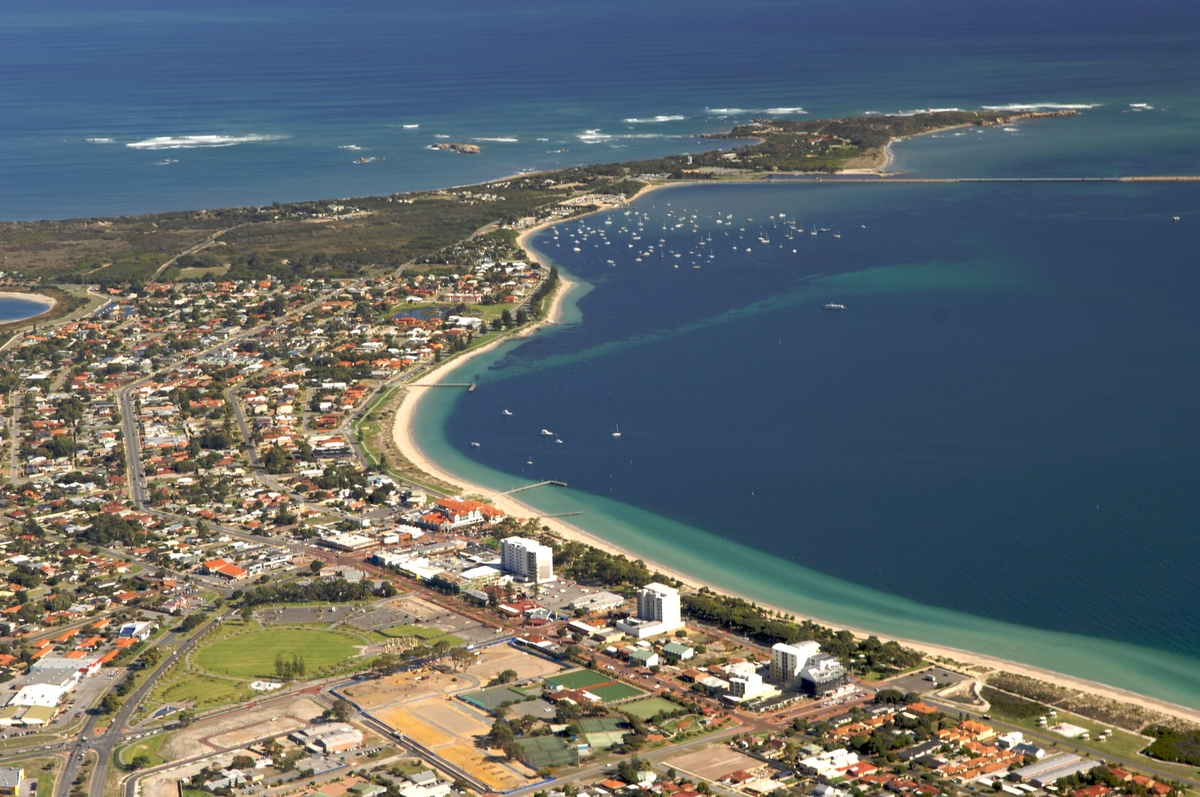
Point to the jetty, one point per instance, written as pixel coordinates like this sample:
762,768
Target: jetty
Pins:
554,482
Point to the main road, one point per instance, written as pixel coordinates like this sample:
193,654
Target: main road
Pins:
106,743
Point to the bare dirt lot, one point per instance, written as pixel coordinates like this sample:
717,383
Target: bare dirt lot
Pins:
376,694
236,729
448,727
712,761
491,661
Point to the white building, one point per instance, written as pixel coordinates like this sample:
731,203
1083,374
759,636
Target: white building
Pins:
746,687
788,660
527,560
658,612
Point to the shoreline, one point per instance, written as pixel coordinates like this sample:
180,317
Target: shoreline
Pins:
512,506
48,304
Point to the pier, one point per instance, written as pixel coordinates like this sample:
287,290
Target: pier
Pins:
531,486
470,386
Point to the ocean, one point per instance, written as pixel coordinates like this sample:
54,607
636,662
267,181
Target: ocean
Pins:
993,447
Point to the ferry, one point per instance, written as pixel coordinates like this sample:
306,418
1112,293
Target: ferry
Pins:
833,306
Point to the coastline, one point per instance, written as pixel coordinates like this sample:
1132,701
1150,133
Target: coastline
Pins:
408,447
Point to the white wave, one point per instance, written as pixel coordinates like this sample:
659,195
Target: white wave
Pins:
785,111
1010,129
198,142
593,137
166,161
727,111
355,147
439,135
924,110
100,140
1042,106
501,140
655,120
411,127
543,139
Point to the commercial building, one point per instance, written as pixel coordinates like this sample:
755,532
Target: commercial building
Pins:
788,660
658,612
527,560
823,675
10,780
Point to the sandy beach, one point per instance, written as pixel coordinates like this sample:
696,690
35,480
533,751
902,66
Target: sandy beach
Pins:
516,508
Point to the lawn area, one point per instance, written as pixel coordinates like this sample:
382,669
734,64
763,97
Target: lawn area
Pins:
147,747
645,709
203,691
252,654
613,692
578,679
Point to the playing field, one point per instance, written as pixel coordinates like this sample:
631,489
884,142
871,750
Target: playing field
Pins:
252,655
615,691
578,679
547,751
489,699
202,691
645,709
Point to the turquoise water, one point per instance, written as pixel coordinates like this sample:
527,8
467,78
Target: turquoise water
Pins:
797,589
992,449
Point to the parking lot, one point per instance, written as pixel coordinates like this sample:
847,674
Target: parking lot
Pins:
926,680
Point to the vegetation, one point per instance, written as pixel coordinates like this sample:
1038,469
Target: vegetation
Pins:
769,628
1172,745
258,654
1011,706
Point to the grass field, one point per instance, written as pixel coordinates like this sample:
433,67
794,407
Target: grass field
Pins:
147,747
252,655
645,709
203,691
578,679
613,692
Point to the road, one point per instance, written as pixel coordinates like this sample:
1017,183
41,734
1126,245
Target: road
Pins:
105,744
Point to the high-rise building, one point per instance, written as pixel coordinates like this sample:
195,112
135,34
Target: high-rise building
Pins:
658,612
788,660
527,560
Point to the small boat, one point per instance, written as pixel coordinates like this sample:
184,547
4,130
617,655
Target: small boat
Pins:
529,461
547,433
506,412
833,306
558,440
474,445
618,432
1174,218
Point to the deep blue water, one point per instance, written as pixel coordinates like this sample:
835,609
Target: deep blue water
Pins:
94,100
1002,422
1000,428
17,309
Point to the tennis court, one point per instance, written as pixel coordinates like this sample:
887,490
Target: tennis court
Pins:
489,699
547,751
